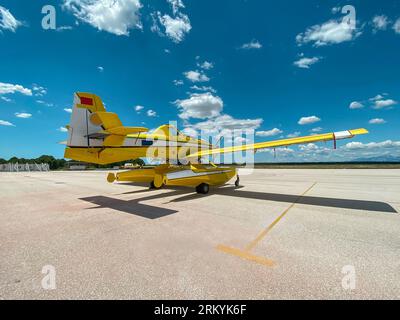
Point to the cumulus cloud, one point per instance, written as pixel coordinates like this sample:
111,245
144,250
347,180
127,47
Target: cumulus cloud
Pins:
294,134
356,105
203,88
377,121
196,76
305,63
176,5
178,82
269,133
200,106
8,88
384,103
309,147
62,129
39,91
396,26
191,132
308,120
316,130
114,16
380,23
6,123
175,27
68,110
47,104
100,68
372,145
254,44
6,99
23,115
139,108
226,122
206,65
8,21
151,113
328,33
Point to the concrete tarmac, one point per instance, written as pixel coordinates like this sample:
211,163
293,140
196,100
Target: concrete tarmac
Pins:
286,234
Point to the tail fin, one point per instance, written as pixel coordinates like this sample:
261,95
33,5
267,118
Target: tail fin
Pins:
93,129
81,128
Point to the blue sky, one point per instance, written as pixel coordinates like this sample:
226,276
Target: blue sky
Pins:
284,69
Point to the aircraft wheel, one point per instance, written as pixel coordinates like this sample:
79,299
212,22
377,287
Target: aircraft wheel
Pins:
204,188
153,186
237,182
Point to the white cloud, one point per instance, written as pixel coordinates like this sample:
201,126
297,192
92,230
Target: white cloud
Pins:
356,105
151,113
305,63
335,10
62,129
100,68
178,82
189,131
294,134
206,65
176,5
64,28
203,88
378,97
372,145
23,115
8,21
6,99
309,147
196,76
6,123
316,130
381,104
39,91
200,106
175,27
396,26
269,133
139,108
68,110
330,32
8,88
254,44
380,23
226,122
114,16
47,104
308,120
377,121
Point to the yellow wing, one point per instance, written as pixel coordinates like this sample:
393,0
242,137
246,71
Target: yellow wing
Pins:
282,143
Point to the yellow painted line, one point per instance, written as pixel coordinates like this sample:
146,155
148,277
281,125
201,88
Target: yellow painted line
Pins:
262,235
246,255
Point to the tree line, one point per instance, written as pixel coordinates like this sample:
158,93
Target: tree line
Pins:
58,164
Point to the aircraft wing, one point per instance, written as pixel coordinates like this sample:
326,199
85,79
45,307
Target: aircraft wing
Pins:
282,143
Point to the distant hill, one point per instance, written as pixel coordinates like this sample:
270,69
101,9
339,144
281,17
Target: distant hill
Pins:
386,158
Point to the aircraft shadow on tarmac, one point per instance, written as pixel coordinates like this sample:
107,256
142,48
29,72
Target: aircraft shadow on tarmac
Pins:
136,207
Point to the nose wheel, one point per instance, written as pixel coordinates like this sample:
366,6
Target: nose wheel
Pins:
237,182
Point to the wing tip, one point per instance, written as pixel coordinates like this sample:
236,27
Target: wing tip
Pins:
357,132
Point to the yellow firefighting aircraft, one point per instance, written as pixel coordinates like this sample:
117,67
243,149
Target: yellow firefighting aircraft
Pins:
97,136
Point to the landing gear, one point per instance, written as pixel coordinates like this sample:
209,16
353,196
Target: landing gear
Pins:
153,186
204,188
237,182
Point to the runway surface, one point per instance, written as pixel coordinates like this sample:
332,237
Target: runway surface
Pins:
292,234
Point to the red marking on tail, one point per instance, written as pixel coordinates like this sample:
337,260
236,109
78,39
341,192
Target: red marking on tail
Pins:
87,101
